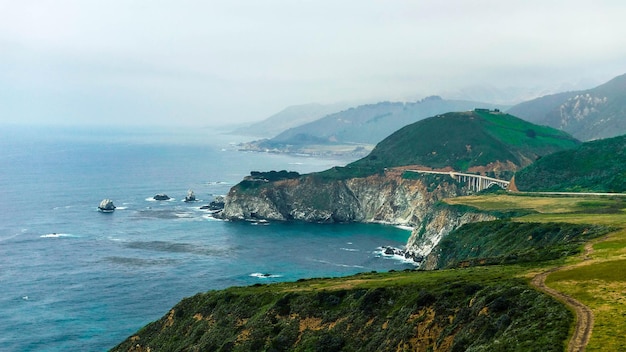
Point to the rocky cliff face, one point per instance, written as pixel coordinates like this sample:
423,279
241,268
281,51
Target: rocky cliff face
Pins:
383,198
387,198
440,222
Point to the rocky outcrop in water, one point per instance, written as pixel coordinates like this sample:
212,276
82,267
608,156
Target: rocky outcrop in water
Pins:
190,197
161,196
106,205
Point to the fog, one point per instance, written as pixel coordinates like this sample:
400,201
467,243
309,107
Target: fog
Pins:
205,63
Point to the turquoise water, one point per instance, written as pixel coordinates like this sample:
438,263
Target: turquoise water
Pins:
72,278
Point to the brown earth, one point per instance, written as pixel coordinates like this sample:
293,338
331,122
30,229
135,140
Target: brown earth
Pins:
584,315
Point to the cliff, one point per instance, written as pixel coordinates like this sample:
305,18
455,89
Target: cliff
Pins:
478,310
386,197
376,189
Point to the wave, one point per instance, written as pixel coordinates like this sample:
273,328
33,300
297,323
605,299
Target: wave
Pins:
57,235
404,227
265,276
139,262
180,247
339,264
380,253
349,249
151,199
218,183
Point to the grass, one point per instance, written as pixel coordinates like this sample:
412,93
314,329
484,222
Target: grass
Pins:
477,308
598,281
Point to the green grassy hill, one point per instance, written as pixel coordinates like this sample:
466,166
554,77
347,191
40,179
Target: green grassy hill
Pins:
366,124
481,309
506,242
462,140
598,166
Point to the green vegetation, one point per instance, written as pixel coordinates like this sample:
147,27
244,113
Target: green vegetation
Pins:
506,242
598,166
274,175
479,309
464,140
599,280
486,308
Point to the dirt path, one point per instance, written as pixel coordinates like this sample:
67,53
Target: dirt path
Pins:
584,315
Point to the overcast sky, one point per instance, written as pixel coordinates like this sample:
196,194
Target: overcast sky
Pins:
150,62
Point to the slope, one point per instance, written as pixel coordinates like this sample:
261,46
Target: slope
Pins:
467,140
367,124
598,166
588,114
289,117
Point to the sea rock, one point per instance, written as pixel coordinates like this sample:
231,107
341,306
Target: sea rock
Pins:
106,205
161,196
190,197
216,205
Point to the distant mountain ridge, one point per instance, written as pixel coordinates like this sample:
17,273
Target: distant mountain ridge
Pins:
289,117
365,124
586,114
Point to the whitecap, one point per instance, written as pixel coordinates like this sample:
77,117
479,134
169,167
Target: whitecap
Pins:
404,227
349,249
121,208
380,253
57,235
264,275
339,264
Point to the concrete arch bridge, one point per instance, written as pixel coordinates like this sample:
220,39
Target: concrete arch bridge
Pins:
475,183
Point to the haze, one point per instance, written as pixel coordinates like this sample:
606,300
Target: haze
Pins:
203,63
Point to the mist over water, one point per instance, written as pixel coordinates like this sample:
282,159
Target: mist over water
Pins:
72,278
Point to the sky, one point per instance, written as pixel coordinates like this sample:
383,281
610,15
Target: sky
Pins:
204,63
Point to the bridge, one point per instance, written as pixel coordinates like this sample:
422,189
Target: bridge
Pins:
475,183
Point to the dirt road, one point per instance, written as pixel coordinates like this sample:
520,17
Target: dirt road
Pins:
584,315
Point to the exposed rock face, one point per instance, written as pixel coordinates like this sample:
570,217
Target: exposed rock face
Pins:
161,196
216,205
387,198
440,222
382,198
190,197
106,205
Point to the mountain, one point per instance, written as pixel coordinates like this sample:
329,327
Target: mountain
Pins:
376,188
467,141
597,166
365,124
586,114
289,117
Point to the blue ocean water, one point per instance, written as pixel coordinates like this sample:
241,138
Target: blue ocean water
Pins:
72,278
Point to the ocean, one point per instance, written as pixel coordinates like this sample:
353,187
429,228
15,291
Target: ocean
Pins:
75,279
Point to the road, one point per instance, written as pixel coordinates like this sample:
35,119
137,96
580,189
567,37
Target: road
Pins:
584,315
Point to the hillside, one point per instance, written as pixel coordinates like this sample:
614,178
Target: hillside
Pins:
587,114
362,125
289,117
483,310
597,166
375,189
487,308
466,141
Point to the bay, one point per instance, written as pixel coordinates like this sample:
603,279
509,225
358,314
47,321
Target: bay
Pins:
72,278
